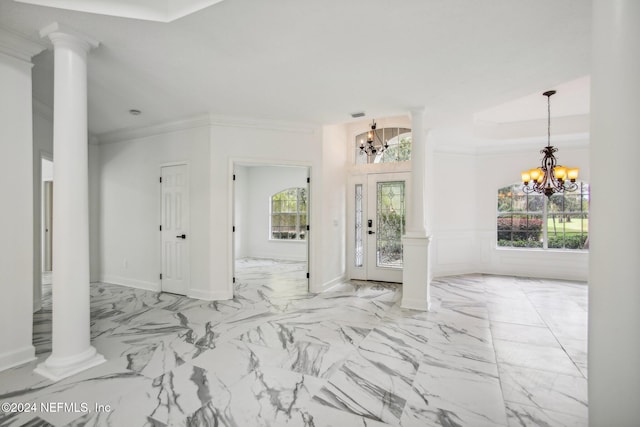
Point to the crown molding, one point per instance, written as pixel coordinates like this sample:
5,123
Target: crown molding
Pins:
515,145
159,129
202,120
573,141
18,46
241,122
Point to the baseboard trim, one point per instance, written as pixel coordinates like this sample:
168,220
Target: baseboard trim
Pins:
210,295
331,283
132,283
18,357
415,304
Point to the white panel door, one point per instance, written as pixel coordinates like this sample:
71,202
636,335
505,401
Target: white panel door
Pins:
386,199
175,229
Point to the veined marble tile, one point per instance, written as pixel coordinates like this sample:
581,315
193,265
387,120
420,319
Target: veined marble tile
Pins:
469,359
278,355
234,360
443,396
100,385
458,288
577,351
272,397
179,393
22,420
566,324
373,390
457,332
20,381
537,335
529,416
514,311
545,390
545,358
316,414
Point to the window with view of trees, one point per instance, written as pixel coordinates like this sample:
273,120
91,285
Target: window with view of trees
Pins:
533,221
398,140
289,214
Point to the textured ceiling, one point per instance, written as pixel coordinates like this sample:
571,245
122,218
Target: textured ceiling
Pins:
317,62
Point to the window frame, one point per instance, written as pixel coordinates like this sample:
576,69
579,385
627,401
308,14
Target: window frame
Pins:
584,196
300,227
398,133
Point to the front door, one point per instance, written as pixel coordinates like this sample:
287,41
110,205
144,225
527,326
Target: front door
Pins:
175,229
379,224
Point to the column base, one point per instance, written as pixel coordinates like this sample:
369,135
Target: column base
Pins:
415,276
57,368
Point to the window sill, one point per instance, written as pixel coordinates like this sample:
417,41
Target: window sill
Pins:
550,250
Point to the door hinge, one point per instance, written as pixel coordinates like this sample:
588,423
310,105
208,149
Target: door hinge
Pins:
160,276
308,180
307,275
233,229
160,179
308,228
234,176
160,228
234,280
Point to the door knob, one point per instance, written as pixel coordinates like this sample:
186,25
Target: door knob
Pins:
372,232
182,236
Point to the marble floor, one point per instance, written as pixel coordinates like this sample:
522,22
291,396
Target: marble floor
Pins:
494,351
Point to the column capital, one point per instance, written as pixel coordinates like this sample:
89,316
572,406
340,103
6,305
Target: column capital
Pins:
62,35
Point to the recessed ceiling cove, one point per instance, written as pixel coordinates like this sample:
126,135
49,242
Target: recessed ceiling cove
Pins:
149,10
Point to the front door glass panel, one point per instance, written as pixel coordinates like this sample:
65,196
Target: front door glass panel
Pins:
390,197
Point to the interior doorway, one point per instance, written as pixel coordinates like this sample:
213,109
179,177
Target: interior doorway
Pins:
270,229
46,222
378,218
174,228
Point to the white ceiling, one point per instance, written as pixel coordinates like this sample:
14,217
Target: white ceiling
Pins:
317,62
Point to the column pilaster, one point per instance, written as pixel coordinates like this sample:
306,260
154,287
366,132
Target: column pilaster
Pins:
71,340
614,270
415,275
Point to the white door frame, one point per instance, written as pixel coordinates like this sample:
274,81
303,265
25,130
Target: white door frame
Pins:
37,265
188,243
363,272
240,161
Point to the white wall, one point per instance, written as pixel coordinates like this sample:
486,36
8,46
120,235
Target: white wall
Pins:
129,209
262,183
334,203
467,176
17,243
267,143
454,227
496,170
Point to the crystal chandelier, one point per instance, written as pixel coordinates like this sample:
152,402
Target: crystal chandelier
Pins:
550,178
369,148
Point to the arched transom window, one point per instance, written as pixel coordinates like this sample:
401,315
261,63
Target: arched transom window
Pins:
397,139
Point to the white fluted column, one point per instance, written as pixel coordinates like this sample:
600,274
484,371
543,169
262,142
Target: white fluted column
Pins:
415,275
71,340
614,270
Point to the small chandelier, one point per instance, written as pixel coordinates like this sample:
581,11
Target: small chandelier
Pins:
370,149
550,178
